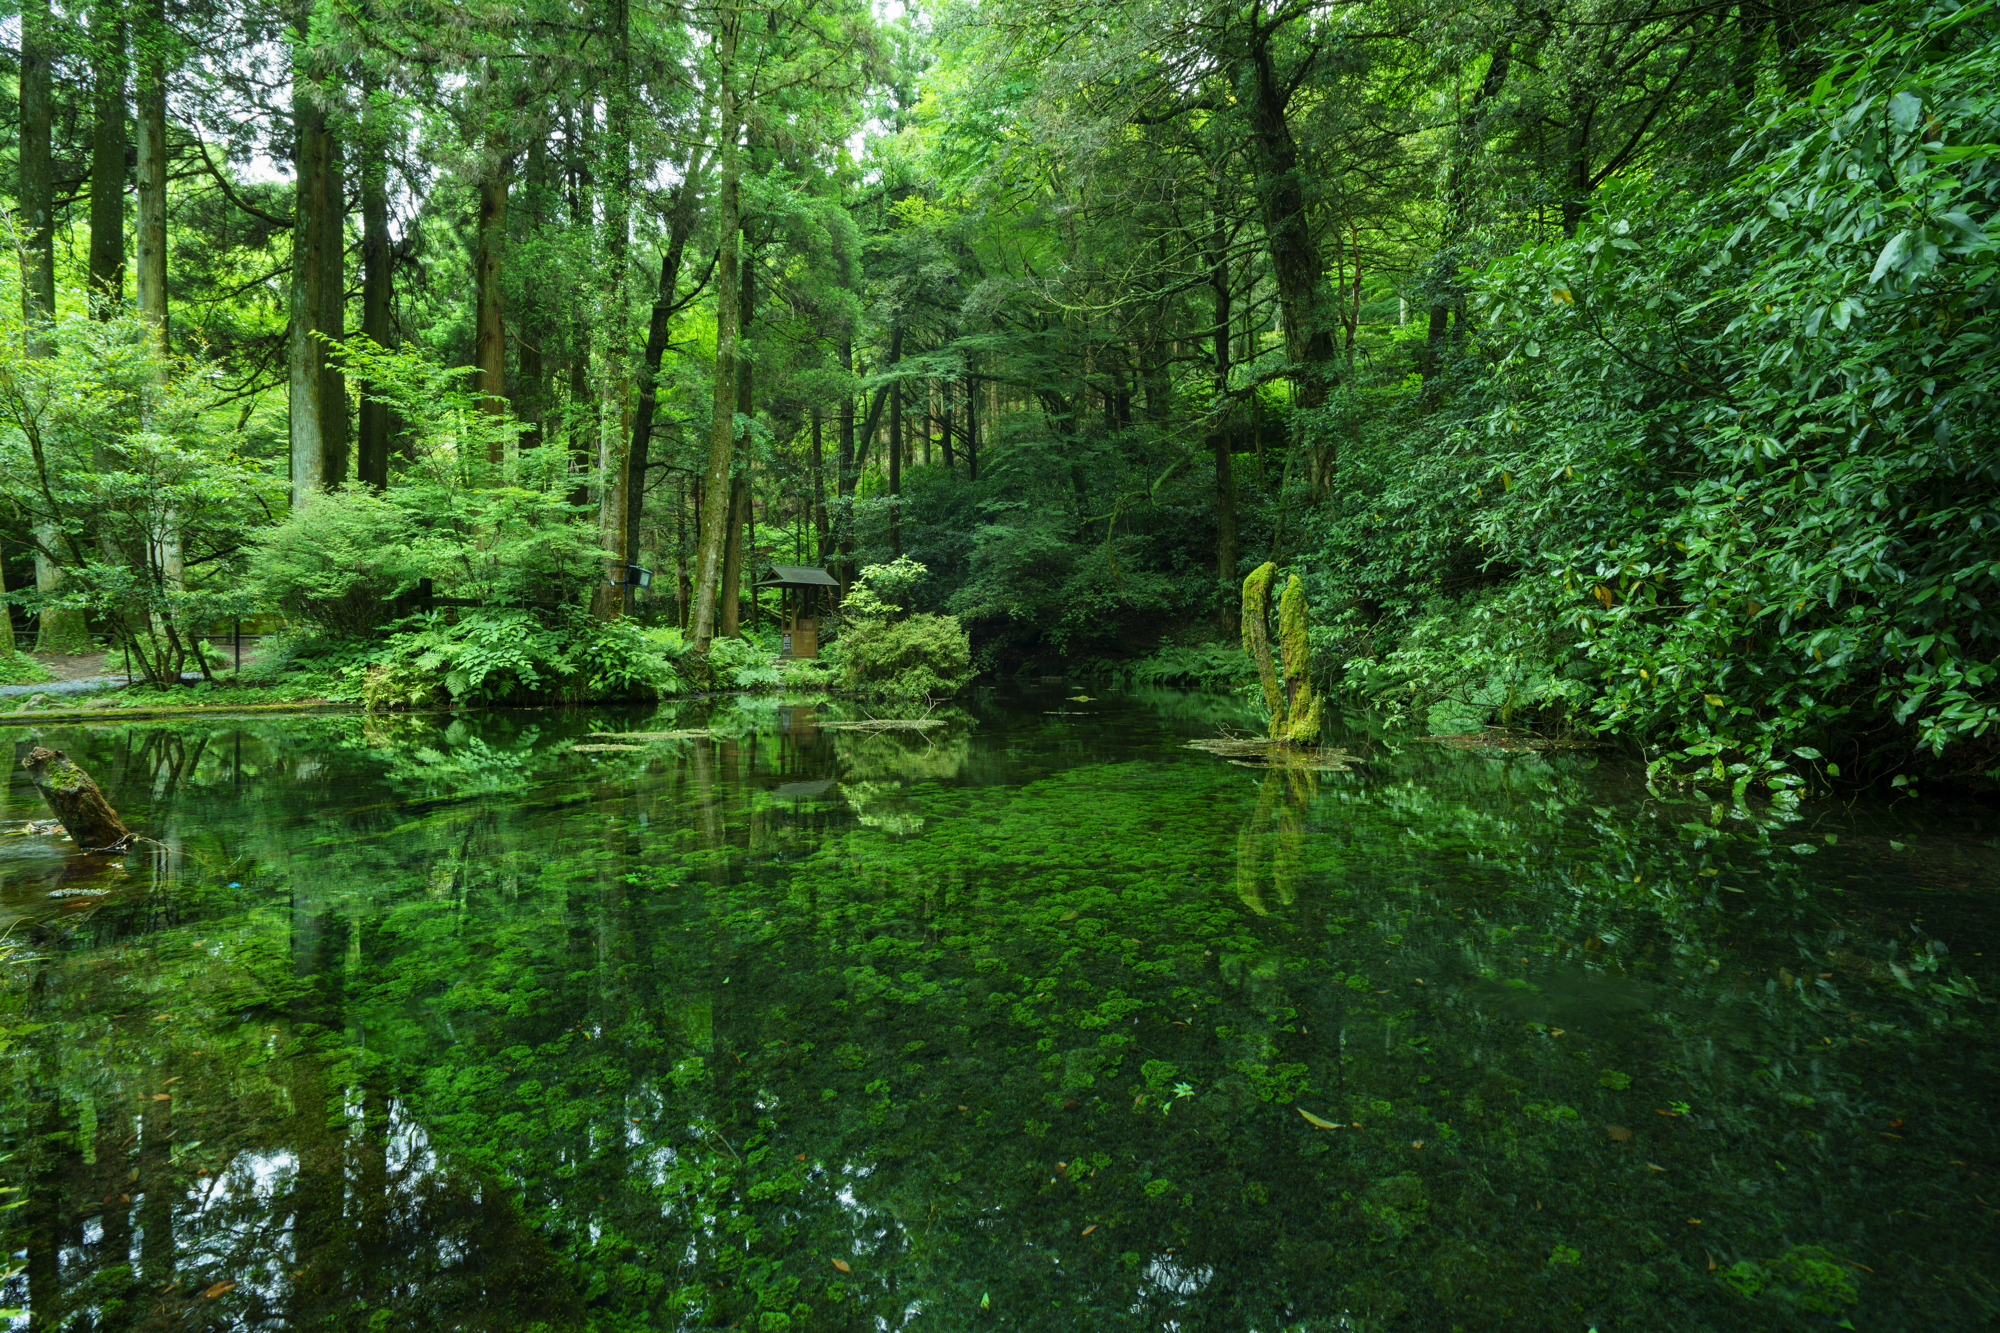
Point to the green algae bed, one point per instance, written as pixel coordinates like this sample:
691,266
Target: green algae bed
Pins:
1033,1020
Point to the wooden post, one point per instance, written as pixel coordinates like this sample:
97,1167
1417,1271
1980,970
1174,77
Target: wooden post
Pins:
92,824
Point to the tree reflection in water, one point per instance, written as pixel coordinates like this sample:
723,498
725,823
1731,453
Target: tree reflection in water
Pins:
1004,1024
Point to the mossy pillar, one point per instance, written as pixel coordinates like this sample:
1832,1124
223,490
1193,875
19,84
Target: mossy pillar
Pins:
1295,709
1302,706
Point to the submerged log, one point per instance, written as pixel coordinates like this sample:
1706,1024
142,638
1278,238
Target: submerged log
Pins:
92,824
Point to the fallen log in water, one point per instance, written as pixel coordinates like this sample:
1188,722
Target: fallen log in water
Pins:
92,824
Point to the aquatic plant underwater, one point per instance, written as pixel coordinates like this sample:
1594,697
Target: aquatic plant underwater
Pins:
1029,1018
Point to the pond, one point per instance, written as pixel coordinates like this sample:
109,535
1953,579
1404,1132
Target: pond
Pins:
1030,1018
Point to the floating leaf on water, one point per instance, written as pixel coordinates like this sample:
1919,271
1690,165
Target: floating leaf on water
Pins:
600,749
163,1096
1070,915
842,1265
1092,1227
1080,699
1618,1133
217,1290
1314,1120
695,734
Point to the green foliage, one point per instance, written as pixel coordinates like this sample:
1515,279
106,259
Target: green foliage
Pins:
393,686
744,663
1204,666
918,657
884,592
886,651
17,668
503,533
339,563
112,466
1484,658
1008,558
1747,448
1730,458
513,656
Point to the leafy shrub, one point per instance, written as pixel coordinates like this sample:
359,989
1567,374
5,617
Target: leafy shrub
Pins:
743,664
919,657
482,656
1733,457
1211,666
1035,587
511,656
17,668
619,660
338,563
1466,662
395,686
886,651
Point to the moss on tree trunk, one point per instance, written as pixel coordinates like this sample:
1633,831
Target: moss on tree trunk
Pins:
93,825
1295,709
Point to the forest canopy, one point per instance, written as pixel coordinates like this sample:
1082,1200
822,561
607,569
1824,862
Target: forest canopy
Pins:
1605,366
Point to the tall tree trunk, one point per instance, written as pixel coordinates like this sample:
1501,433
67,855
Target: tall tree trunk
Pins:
1458,209
732,558
151,118
107,157
680,226
531,368
895,470
38,175
581,441
62,631
331,318
1296,265
1218,430
844,476
746,403
971,429
722,424
306,355
613,460
607,600
490,334
683,589
947,410
817,507
372,453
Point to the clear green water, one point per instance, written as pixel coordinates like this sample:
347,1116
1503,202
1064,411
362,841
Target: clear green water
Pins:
1006,1025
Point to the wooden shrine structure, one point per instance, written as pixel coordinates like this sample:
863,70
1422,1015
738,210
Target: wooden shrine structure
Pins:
805,594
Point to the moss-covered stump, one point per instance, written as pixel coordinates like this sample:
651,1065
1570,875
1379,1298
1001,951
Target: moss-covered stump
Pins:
1295,709
91,822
